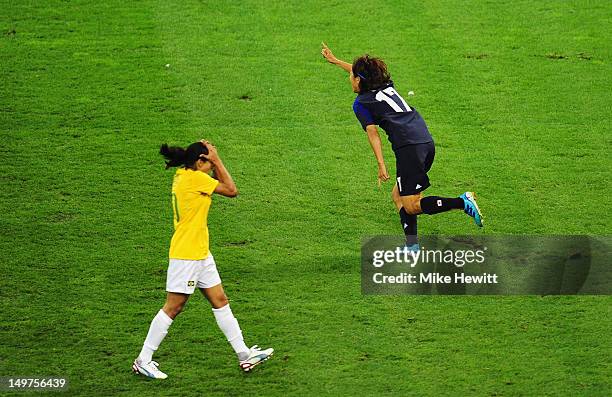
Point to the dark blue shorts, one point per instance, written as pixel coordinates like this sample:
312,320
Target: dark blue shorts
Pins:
412,164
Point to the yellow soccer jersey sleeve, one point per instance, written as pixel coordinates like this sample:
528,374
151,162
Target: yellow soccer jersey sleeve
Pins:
191,199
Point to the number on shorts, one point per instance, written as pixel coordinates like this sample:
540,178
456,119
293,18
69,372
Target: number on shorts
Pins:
399,183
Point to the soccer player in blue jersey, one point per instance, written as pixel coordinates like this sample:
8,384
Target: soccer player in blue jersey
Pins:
379,104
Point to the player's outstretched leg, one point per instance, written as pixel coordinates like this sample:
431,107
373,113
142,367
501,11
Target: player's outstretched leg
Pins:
416,204
248,358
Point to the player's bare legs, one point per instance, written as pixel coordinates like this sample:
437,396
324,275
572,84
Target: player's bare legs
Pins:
216,296
397,199
412,203
175,303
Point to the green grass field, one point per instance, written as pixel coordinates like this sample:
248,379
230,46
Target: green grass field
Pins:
516,94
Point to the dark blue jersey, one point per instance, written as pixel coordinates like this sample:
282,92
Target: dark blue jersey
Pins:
386,108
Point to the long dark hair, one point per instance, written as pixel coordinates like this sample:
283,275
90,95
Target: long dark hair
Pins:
372,72
179,157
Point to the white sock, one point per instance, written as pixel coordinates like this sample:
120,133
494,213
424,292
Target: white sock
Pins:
157,332
229,325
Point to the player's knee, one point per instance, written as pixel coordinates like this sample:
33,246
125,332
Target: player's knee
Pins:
173,309
220,301
412,209
412,206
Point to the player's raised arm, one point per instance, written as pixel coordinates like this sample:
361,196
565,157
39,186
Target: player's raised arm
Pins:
226,186
329,56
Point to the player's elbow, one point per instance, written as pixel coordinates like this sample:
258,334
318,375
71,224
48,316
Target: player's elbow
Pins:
227,190
373,135
232,191
371,130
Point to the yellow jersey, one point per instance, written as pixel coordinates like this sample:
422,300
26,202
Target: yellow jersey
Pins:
191,198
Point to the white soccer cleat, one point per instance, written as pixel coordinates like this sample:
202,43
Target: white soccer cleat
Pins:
256,357
150,369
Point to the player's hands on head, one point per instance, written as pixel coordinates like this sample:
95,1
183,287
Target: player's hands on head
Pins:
212,155
327,54
383,175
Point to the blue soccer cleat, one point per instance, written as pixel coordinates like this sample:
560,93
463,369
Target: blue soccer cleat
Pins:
471,208
413,247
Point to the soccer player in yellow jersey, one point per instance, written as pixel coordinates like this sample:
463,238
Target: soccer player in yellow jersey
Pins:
191,263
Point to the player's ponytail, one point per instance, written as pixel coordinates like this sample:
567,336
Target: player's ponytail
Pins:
177,156
372,72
